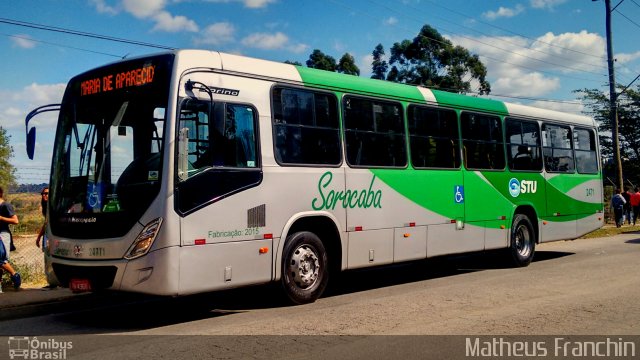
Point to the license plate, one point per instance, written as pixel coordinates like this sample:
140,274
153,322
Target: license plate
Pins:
80,285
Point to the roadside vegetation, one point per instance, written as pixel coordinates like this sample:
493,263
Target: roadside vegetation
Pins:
27,259
611,229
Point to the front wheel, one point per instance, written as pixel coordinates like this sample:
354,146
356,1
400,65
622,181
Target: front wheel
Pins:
523,241
304,268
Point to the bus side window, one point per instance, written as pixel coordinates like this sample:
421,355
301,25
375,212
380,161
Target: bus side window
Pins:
194,116
557,148
374,133
306,127
523,145
433,138
239,139
584,142
482,141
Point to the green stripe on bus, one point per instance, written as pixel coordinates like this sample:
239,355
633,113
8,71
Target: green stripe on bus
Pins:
469,102
339,82
565,183
432,190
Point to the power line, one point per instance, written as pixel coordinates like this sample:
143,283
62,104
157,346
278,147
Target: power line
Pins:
60,45
82,33
626,17
513,32
526,37
484,55
529,48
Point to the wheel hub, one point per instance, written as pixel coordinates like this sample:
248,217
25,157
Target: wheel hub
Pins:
523,241
304,266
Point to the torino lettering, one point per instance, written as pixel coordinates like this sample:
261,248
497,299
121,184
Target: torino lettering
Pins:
327,200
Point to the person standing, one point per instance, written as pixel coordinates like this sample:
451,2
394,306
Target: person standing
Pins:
617,203
52,281
7,217
635,204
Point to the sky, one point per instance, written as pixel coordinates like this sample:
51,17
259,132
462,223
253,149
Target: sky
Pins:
537,52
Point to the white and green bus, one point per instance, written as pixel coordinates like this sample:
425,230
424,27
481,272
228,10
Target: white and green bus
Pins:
195,171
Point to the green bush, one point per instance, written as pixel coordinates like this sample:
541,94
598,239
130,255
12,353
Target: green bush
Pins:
27,207
29,273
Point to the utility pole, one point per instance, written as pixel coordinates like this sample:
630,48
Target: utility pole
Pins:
613,107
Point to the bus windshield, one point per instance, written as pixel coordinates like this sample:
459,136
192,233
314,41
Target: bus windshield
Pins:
108,145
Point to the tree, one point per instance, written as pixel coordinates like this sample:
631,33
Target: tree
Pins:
379,66
318,60
7,171
347,65
298,63
433,61
597,103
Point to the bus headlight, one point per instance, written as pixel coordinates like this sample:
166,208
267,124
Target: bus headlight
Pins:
145,239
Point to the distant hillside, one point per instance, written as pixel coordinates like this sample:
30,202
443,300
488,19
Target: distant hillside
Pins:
28,188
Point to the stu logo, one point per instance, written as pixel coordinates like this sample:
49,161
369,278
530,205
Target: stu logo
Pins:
517,187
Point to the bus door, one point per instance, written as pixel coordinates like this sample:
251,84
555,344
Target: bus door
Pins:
217,195
437,182
560,219
486,208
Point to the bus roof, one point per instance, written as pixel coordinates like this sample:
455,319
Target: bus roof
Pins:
281,72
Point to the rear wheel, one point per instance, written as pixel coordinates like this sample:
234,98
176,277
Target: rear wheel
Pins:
523,241
304,267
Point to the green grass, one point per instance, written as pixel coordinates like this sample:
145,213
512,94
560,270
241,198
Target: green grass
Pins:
31,275
611,230
27,207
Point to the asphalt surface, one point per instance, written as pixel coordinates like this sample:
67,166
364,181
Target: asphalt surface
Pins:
27,301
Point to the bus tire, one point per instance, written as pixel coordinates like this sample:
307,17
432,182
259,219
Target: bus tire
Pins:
305,268
523,241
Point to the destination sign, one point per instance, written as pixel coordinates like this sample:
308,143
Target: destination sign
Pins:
134,77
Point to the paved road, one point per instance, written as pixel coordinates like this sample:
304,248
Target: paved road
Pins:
582,287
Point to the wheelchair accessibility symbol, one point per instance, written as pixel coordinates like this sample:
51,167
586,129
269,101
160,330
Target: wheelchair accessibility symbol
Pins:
459,194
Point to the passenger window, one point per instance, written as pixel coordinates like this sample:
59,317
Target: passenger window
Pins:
219,152
523,145
483,147
433,138
194,116
222,136
306,128
584,142
557,149
374,133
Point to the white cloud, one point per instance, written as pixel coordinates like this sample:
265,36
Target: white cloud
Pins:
155,10
525,84
390,21
275,41
298,48
143,8
252,4
525,67
23,41
364,64
503,12
103,8
216,34
266,41
546,4
169,23
14,106
255,4
575,108
627,58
